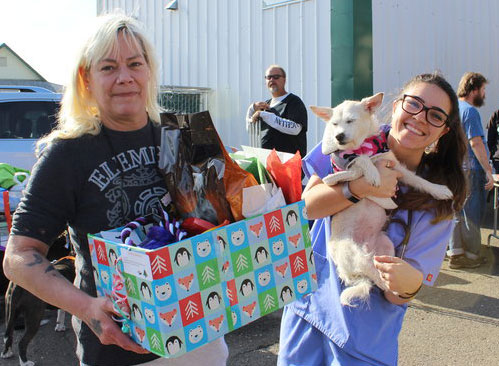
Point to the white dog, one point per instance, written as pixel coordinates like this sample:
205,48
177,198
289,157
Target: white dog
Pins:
356,232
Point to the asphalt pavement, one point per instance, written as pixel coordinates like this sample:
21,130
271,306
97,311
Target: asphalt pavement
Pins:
454,323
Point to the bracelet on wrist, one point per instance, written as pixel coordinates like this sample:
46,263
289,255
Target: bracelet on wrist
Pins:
410,295
348,194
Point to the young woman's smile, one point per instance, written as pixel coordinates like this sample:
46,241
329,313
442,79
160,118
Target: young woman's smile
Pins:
412,133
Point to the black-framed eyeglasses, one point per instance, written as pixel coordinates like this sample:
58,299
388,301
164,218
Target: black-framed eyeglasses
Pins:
273,77
434,115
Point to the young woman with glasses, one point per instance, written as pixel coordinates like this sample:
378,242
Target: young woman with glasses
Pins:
425,135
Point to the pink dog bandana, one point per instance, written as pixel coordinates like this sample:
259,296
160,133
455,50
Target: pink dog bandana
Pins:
376,144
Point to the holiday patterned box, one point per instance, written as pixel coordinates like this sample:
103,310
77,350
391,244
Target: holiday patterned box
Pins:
189,293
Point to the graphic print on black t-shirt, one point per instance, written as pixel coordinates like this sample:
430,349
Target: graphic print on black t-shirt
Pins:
137,169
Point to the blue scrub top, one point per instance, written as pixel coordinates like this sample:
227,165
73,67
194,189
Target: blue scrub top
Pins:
368,331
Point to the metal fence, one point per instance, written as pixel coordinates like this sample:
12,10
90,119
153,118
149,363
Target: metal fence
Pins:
183,100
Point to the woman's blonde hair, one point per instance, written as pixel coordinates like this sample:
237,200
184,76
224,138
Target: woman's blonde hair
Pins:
79,114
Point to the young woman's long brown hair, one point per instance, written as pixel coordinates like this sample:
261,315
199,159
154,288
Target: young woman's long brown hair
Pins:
443,165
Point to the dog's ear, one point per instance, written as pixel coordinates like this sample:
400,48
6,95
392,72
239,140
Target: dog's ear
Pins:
324,113
372,103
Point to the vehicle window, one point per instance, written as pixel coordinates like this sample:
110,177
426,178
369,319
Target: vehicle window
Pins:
26,119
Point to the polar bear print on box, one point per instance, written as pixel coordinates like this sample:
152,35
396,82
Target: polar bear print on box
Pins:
163,292
196,334
237,237
203,248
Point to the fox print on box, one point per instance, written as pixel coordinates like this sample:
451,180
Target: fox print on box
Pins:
189,293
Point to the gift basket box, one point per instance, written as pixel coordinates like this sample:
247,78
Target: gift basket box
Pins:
189,293
176,297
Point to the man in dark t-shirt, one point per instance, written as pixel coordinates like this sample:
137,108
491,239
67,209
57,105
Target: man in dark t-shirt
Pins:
283,118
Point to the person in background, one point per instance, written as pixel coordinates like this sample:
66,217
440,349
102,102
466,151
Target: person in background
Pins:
283,118
317,329
97,171
465,244
493,140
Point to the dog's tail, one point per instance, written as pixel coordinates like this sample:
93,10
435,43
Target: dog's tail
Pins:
358,291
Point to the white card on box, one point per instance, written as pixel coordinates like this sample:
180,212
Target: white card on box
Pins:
137,264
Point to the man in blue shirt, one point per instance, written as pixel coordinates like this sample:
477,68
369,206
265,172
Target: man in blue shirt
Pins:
464,246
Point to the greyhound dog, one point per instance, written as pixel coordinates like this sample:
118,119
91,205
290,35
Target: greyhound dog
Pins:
19,301
352,137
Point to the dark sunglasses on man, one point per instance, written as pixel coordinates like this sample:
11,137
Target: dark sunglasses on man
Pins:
273,77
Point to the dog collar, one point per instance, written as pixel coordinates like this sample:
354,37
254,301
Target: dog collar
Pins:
373,145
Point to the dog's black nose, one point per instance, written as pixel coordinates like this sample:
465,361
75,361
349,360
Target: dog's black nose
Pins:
340,137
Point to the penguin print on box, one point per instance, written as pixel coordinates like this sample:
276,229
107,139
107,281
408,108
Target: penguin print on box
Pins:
182,257
286,294
221,242
213,301
145,291
261,255
137,314
113,258
173,345
247,287
291,218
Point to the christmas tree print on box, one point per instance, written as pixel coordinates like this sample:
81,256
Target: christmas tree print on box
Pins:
189,293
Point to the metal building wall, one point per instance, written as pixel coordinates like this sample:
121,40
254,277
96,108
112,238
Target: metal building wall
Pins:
225,45
453,36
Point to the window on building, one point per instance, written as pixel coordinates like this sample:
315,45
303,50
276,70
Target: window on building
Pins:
184,100
267,4
3,61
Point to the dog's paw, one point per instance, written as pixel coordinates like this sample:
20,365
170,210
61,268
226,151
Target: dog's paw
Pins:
60,327
441,192
373,177
7,353
386,203
330,180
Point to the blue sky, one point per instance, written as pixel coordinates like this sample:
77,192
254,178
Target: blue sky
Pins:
46,33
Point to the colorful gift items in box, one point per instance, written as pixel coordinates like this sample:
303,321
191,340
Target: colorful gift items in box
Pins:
189,293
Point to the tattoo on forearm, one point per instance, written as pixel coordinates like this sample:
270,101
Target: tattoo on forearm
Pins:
51,268
96,327
38,260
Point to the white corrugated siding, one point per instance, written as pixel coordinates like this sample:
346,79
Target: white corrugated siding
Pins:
453,36
226,45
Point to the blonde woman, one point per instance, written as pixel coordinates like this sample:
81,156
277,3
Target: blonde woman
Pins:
97,170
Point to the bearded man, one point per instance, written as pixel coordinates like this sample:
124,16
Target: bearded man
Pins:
465,244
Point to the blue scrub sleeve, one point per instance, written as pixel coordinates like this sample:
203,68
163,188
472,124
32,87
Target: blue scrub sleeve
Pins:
427,244
316,163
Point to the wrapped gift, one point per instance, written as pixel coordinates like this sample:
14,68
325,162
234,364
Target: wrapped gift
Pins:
189,293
